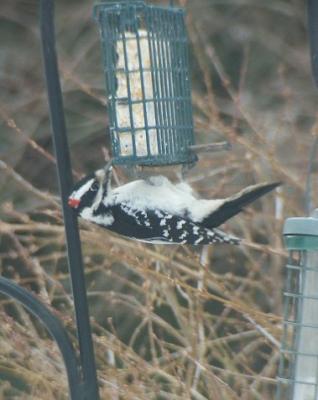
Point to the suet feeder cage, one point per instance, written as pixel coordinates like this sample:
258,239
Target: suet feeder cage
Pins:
145,55
298,372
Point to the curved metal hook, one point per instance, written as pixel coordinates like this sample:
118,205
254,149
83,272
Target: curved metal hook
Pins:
55,328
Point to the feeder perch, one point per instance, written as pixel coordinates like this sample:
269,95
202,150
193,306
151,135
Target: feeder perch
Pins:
145,55
298,372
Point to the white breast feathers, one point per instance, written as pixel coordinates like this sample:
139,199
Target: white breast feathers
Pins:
158,193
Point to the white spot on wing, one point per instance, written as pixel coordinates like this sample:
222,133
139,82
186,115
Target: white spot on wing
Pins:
180,224
201,238
184,235
195,230
132,213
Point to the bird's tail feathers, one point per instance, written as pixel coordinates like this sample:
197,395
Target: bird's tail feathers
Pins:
235,204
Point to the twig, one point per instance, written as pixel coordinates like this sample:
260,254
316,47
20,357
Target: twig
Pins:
211,147
26,185
263,331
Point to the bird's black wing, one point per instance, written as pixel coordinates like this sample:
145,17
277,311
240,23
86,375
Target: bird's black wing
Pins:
161,227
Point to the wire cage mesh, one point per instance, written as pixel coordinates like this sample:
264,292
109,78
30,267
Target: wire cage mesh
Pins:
298,371
145,51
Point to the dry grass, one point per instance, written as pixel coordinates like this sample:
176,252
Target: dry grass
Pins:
169,322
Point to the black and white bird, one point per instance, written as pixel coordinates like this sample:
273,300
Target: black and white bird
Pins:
155,210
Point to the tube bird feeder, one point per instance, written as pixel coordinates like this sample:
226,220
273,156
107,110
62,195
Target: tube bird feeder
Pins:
145,55
298,372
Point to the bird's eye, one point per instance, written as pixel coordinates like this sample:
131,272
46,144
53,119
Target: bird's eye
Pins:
95,186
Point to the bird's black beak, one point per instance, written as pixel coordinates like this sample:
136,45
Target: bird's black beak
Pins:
108,167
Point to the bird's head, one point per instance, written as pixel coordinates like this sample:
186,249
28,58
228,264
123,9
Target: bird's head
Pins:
91,190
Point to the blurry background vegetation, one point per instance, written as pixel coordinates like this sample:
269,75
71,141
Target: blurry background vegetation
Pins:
169,322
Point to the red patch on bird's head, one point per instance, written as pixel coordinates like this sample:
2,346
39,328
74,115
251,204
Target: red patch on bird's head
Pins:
74,203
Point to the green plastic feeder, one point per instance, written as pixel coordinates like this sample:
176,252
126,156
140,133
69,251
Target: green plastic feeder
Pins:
298,372
145,55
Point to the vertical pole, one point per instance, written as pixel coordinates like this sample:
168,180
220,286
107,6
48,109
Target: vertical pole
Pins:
65,184
312,11
306,363
312,16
